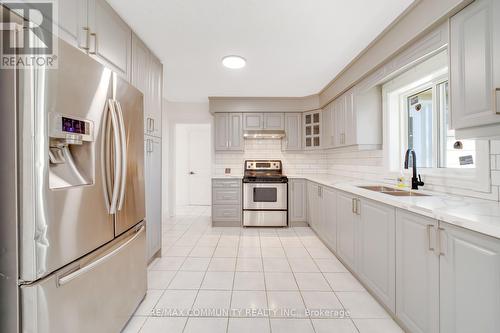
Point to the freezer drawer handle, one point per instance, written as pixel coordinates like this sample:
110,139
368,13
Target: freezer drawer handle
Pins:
74,274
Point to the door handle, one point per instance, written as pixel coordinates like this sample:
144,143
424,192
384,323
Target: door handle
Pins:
191,173
61,281
123,146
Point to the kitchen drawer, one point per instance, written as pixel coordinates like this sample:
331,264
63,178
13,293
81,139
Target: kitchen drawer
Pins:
226,196
226,213
233,183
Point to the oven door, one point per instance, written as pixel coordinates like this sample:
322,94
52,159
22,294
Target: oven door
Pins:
264,196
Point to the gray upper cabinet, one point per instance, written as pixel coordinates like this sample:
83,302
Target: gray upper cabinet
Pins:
274,121
109,38
266,121
354,119
229,131
312,129
235,137
293,132
72,22
221,131
253,121
417,273
297,200
475,70
146,75
156,90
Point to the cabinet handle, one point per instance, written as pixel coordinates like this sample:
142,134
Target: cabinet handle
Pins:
354,208
358,206
86,39
149,146
440,244
429,226
94,36
496,100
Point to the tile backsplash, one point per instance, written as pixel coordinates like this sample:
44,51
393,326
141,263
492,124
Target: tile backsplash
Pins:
355,164
293,162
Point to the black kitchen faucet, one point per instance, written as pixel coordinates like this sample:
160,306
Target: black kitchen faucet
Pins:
415,182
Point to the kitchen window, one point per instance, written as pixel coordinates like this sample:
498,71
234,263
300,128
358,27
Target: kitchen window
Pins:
416,116
427,128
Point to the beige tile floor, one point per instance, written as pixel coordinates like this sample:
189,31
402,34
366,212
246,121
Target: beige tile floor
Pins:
205,271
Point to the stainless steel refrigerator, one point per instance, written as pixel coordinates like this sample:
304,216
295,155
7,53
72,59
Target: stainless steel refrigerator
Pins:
72,235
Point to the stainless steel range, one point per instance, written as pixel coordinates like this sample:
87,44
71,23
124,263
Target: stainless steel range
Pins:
265,194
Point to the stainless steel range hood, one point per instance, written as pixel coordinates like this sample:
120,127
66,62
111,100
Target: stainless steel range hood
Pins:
264,134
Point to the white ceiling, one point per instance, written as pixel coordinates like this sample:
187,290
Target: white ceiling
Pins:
293,47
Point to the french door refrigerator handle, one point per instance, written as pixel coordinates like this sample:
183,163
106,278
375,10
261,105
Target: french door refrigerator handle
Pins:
105,168
123,146
61,281
105,157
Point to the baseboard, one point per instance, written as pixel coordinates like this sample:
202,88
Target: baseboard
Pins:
299,224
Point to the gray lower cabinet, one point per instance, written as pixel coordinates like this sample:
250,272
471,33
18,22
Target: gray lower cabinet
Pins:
152,173
328,203
346,228
469,280
297,201
375,239
226,202
321,202
417,273
293,132
313,210
366,243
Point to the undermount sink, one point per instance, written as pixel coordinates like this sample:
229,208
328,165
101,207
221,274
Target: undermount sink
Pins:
393,191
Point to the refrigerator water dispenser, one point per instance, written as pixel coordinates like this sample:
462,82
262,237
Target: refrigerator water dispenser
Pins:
71,152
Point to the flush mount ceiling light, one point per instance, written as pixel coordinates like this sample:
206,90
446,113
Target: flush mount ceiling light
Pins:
234,61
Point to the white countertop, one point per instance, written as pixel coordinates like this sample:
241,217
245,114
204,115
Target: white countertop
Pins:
227,176
475,214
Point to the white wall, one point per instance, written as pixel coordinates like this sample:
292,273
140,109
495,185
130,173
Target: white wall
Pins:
165,157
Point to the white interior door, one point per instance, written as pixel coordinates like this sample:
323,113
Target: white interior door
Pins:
199,165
